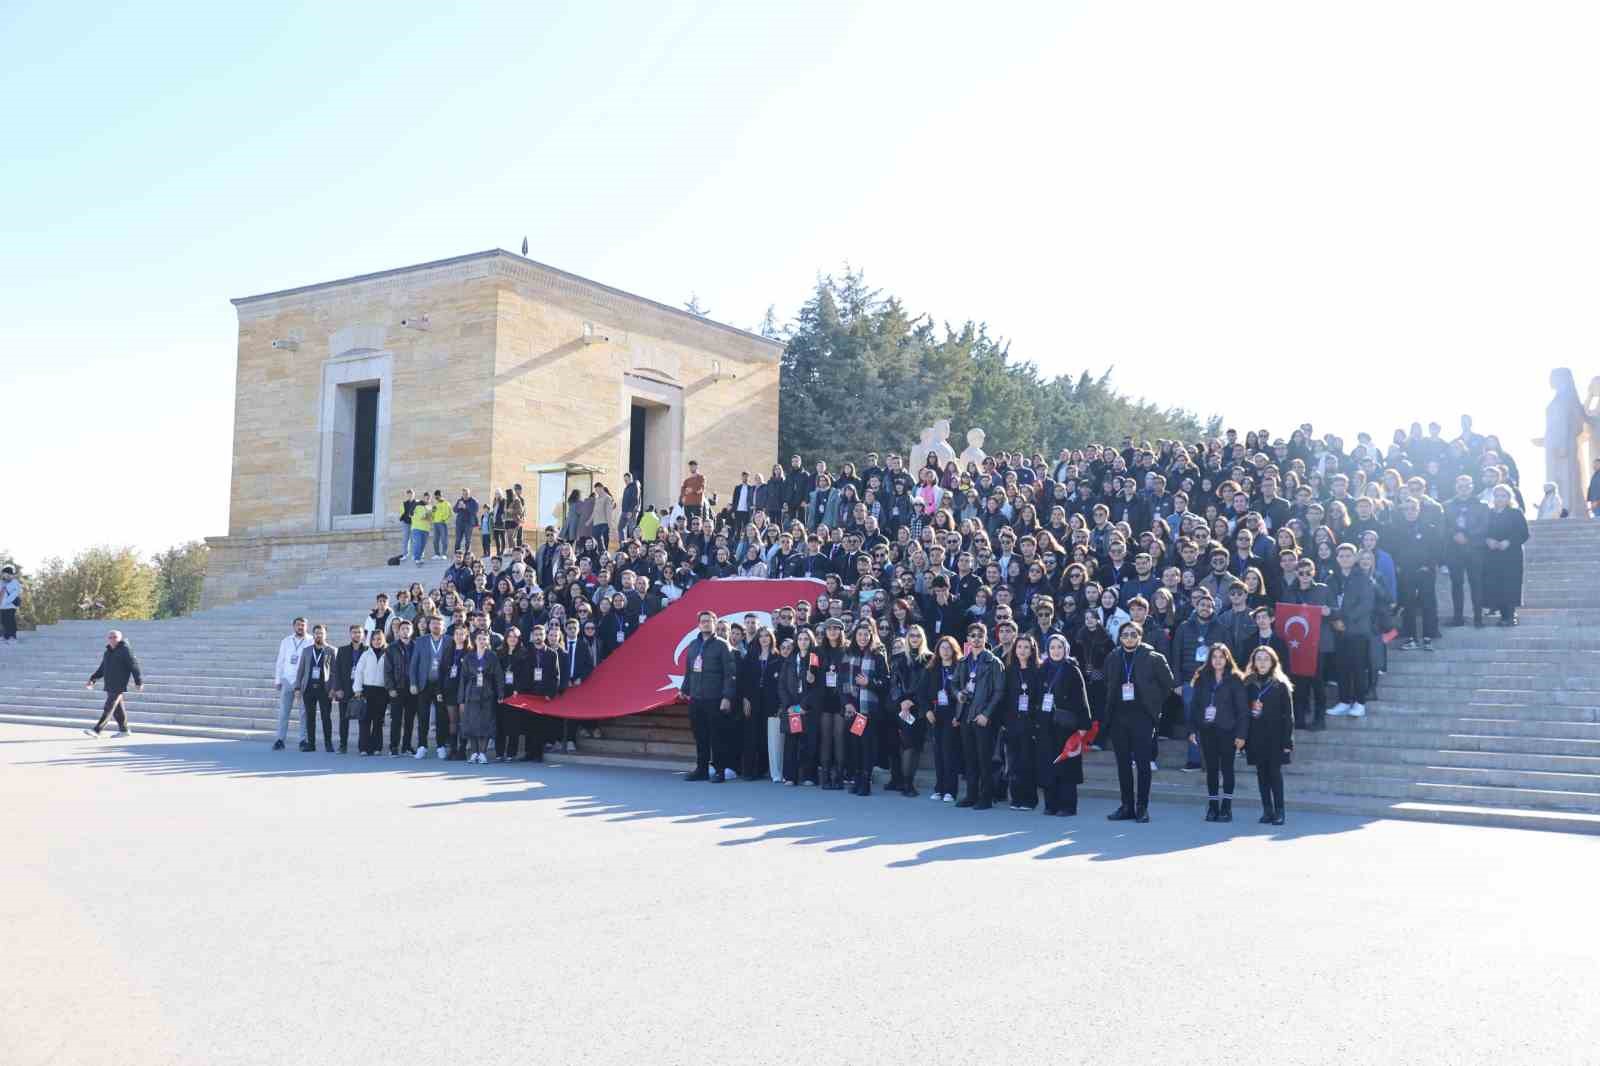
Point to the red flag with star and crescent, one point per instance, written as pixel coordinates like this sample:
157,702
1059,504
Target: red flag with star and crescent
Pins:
1300,626
644,672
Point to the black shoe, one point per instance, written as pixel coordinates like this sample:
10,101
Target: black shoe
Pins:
1211,810
1266,817
1051,812
1121,814
1427,643
1277,816
717,778
1455,623
1070,812
909,790
967,802
1477,621
277,745
982,805
697,775
1226,814
1318,726
1142,815
343,749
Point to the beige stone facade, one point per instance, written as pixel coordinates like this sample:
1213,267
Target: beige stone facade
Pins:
485,368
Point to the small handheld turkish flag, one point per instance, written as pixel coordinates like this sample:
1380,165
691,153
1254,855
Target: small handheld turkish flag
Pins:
1077,740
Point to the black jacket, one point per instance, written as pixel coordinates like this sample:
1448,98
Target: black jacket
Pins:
1233,713
1271,729
117,666
344,664
1069,695
1151,677
718,676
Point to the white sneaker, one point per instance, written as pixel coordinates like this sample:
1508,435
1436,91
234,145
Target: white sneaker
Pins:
1154,766
1358,710
481,758
441,752
572,747
949,797
936,797
422,753
1338,710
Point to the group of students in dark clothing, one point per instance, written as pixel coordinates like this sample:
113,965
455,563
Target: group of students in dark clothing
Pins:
1013,612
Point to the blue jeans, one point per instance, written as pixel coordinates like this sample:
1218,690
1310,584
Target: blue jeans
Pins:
441,539
419,543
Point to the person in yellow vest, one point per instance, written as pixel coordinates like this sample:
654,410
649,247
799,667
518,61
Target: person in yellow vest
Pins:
441,513
649,525
421,523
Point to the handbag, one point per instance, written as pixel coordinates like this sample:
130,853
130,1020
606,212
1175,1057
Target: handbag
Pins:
358,708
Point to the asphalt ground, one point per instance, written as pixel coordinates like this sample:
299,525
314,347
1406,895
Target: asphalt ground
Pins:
169,901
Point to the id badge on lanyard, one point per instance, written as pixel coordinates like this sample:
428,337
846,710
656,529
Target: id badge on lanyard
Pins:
1022,699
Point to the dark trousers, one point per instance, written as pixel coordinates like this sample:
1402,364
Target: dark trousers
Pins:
402,717
1310,698
1216,748
314,698
1058,781
830,741
1022,758
1269,779
753,746
344,726
1351,662
947,758
728,741
372,724
977,750
510,726
602,534
430,704
866,747
113,707
800,753
703,715
1133,738
8,623
1466,567
463,537
1420,602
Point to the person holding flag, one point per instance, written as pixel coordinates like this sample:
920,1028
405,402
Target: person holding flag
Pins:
1306,604
1064,708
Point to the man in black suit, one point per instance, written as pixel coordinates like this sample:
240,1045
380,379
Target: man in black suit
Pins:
1138,679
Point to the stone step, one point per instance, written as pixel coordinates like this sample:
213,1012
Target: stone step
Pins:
152,693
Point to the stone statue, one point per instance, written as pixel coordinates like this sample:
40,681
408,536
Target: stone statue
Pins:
1565,422
974,453
934,442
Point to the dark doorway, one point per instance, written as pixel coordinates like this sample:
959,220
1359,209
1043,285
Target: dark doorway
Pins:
636,437
365,452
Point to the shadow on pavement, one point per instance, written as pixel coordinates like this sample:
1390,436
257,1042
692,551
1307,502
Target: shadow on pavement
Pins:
748,812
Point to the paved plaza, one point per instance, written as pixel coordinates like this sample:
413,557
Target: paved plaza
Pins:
204,901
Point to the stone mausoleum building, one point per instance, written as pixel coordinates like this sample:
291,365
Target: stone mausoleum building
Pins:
479,371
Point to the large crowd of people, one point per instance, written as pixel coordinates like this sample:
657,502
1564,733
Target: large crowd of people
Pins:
994,616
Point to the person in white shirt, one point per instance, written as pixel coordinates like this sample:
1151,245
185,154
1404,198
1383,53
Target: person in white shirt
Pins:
284,675
369,681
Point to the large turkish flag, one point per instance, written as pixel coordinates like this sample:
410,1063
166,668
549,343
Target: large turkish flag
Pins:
1300,626
644,673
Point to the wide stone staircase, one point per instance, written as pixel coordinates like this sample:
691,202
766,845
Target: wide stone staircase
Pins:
1496,726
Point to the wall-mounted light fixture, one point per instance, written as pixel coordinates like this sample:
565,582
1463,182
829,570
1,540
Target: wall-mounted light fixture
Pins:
286,344
594,336
415,322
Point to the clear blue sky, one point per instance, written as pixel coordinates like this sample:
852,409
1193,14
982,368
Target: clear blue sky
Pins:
1226,202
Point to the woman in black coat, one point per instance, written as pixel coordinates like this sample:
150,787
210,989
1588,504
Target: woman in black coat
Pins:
936,700
511,722
866,677
1507,532
1020,714
910,664
1219,721
830,653
759,670
1064,711
1271,701
798,685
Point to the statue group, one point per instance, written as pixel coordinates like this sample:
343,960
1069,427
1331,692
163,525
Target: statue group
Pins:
1571,438
935,442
